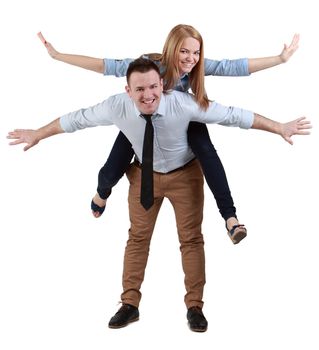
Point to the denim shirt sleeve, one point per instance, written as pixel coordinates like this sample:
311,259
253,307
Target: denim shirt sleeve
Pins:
231,68
115,67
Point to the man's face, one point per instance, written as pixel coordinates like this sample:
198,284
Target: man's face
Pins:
145,90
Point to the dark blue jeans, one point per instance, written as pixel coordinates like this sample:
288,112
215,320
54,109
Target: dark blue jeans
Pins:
199,140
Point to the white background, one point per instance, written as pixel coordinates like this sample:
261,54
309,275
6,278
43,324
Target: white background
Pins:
60,269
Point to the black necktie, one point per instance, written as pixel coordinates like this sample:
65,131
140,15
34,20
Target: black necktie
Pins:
147,194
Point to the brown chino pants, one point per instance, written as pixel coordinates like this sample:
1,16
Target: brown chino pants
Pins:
184,189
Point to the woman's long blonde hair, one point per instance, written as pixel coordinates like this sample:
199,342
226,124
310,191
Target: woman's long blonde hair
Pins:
169,59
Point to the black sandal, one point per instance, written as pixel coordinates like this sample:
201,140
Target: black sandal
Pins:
237,233
97,208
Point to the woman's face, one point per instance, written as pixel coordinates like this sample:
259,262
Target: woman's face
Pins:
189,54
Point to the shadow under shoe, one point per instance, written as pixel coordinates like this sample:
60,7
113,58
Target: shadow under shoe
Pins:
196,319
125,315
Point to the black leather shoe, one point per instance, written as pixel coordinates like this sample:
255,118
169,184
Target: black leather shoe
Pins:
196,319
126,314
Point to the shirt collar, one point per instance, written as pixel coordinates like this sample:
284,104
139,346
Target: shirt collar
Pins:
162,105
183,76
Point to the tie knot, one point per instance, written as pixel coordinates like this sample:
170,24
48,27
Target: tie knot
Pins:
147,117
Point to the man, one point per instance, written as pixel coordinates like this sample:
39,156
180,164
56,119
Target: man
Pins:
176,174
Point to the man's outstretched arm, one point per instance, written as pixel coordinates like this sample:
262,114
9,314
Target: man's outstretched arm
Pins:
245,119
298,126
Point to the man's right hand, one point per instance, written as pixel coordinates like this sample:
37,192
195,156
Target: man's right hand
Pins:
28,136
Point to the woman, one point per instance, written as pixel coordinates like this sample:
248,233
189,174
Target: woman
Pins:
183,67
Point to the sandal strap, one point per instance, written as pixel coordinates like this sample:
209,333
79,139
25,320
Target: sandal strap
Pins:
232,230
97,208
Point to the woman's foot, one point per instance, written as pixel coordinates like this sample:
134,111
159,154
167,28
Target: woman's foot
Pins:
97,205
235,230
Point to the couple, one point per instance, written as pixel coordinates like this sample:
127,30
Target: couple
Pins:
176,175
183,67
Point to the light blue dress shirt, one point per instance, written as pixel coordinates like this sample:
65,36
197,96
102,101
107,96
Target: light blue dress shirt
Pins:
176,109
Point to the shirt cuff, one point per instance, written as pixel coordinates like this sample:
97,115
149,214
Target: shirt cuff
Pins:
247,120
109,66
